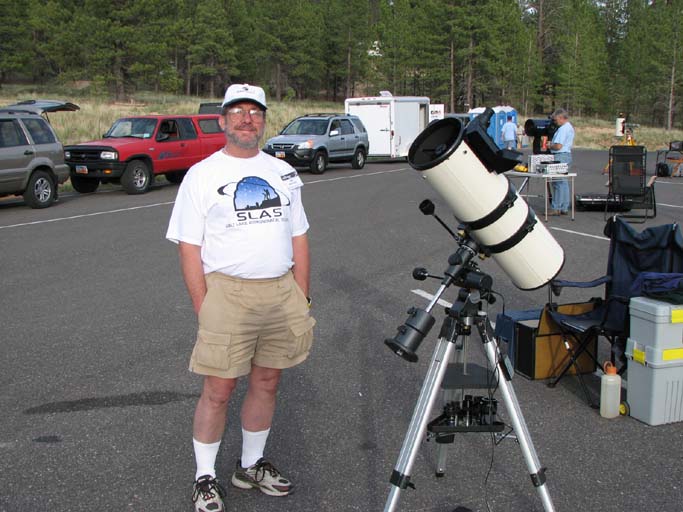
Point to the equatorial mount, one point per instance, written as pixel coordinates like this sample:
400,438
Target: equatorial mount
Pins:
462,271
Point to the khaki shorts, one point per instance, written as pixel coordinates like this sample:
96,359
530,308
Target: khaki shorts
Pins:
265,322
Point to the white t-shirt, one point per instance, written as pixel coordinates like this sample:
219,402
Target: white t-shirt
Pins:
243,212
509,131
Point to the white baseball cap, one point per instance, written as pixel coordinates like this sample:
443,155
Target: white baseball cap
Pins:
244,92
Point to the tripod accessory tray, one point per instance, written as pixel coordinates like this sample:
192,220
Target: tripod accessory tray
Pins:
477,377
440,426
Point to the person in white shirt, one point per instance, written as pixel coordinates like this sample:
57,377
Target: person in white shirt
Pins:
509,133
561,148
241,230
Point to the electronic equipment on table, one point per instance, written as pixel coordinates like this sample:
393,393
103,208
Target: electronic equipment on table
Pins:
553,168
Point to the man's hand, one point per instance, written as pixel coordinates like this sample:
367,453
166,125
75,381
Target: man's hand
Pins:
193,273
302,262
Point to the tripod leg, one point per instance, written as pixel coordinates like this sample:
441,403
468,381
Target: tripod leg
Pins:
441,454
518,424
442,448
449,395
400,477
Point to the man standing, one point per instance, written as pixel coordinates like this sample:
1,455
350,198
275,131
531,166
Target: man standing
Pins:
561,148
509,133
241,230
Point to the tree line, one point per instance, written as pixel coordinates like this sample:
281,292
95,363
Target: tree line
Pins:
593,57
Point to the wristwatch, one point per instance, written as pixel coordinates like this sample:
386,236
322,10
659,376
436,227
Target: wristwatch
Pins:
310,301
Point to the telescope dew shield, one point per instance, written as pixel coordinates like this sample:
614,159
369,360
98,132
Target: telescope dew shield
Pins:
465,169
540,127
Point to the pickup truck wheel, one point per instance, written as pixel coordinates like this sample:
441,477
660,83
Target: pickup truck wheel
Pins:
358,160
319,163
41,190
137,178
175,177
84,185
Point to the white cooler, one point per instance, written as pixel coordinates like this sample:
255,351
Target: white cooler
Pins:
655,361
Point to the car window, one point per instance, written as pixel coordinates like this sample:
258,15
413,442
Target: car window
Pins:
209,126
359,126
210,108
168,127
187,130
335,126
306,127
11,134
132,127
346,127
40,131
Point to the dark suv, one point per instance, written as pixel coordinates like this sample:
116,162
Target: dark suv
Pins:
31,156
314,140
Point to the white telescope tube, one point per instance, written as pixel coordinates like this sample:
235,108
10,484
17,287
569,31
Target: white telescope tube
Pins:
486,203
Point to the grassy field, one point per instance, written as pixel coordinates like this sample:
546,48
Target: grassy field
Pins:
599,134
97,114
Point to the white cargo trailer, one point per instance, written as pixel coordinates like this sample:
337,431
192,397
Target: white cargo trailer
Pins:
392,122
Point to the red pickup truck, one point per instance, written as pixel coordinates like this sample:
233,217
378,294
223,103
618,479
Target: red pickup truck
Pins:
136,149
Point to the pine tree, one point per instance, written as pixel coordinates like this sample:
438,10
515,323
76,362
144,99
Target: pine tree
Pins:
211,52
589,56
581,61
15,43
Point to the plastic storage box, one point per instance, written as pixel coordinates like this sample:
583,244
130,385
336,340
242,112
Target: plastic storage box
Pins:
655,361
655,383
656,324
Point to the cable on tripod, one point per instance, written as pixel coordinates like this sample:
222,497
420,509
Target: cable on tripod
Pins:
501,298
505,436
488,473
493,439
492,391
493,444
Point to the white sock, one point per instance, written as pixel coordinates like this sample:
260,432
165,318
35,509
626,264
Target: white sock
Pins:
205,457
253,444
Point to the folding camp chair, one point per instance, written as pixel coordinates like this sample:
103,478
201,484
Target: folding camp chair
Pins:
628,185
655,249
670,161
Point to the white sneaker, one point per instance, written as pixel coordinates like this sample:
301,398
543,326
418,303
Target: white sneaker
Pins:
262,476
208,495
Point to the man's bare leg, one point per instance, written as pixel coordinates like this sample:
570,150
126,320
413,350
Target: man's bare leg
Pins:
259,404
257,416
209,423
212,409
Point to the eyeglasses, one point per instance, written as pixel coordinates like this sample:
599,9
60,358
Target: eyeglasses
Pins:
256,113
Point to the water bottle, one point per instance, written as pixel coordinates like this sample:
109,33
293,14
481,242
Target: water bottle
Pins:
610,392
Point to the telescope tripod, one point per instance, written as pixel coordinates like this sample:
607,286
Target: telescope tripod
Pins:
456,329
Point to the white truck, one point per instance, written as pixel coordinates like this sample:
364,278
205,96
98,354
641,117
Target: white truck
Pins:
392,122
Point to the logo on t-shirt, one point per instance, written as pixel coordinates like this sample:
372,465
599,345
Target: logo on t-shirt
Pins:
255,200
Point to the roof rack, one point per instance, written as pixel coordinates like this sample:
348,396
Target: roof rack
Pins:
323,114
6,110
